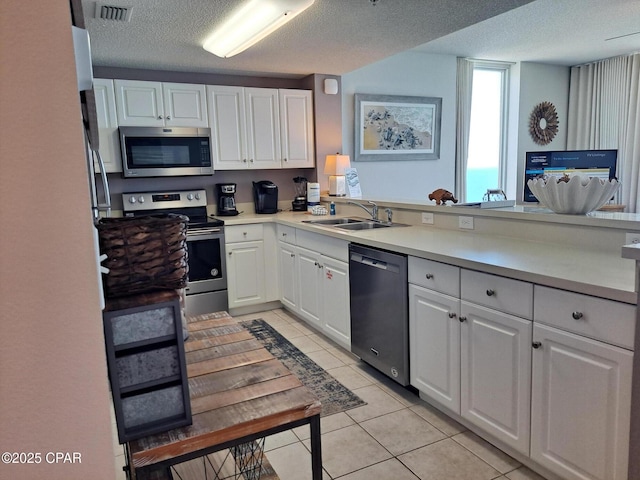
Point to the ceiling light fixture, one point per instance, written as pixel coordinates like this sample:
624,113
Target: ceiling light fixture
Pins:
251,23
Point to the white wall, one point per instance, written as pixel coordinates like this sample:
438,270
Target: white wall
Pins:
539,83
413,74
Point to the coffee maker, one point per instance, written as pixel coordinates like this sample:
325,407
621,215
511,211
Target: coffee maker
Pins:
226,199
299,203
265,196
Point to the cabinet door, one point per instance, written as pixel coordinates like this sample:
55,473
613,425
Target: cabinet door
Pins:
336,317
185,105
228,127
245,273
107,125
288,271
296,128
263,127
434,345
581,402
496,373
309,305
139,103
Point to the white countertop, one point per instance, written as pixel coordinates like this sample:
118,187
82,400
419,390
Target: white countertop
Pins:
582,270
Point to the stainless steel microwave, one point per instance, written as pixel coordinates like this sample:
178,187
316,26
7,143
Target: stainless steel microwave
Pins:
165,152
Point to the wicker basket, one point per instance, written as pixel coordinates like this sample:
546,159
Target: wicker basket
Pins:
144,253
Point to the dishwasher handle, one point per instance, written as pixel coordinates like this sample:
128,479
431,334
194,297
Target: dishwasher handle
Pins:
373,262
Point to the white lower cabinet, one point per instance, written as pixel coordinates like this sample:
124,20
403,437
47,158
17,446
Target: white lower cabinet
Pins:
496,373
245,273
581,400
545,372
314,284
336,316
288,271
251,272
309,280
434,345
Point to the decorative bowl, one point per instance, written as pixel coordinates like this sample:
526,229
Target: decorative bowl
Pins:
577,196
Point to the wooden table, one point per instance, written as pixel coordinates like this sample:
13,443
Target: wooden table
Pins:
239,393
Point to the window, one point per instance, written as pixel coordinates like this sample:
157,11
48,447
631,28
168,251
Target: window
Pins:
486,160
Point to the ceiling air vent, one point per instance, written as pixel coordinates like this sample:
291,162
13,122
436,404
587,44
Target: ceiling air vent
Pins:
113,12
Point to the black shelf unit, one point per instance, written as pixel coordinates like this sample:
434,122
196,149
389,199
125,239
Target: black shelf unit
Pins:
147,368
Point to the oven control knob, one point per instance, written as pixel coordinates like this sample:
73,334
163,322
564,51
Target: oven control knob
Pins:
190,196
214,272
140,199
132,199
197,196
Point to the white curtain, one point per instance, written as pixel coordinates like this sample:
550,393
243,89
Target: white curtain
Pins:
464,87
604,113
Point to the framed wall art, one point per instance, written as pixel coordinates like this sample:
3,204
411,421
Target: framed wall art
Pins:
391,127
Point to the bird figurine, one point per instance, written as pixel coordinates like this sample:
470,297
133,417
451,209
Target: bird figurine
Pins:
441,196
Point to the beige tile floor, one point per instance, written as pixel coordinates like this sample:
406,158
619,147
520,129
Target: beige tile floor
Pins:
395,436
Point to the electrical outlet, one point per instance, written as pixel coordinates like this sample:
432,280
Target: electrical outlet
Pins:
631,238
465,223
427,218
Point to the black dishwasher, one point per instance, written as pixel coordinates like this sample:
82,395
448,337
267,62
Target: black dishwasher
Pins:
380,310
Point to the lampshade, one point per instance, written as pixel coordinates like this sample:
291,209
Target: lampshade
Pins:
253,21
336,164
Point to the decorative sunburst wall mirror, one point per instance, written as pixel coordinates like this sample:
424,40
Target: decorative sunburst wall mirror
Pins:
543,123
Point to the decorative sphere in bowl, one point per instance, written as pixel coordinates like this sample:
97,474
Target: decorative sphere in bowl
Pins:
577,196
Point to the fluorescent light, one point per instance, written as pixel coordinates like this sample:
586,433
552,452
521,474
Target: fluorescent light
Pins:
251,23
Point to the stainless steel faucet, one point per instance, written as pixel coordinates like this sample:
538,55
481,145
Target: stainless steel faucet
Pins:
389,214
373,212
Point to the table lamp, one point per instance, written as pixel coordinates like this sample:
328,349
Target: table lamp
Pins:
334,166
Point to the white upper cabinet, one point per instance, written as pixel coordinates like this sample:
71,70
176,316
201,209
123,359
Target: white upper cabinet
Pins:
156,104
260,128
228,127
107,125
263,127
296,128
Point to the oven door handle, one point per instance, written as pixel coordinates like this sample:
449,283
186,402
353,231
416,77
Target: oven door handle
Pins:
201,232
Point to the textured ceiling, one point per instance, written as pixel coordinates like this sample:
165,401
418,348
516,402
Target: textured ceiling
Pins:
339,36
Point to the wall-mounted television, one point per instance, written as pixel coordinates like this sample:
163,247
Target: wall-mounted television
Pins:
592,163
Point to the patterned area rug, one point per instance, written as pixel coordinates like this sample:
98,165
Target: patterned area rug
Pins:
334,396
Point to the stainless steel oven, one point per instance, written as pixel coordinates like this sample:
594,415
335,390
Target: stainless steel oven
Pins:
207,287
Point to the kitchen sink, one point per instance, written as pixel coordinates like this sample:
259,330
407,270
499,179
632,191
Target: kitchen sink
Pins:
335,221
368,225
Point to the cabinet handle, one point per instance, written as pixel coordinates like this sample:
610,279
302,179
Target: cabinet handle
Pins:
293,255
168,117
284,234
244,160
462,319
285,159
536,344
452,314
577,315
244,233
230,253
429,276
251,160
490,293
159,117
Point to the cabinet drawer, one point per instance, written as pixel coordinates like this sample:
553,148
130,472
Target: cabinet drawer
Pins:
605,320
435,276
287,234
500,293
243,233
